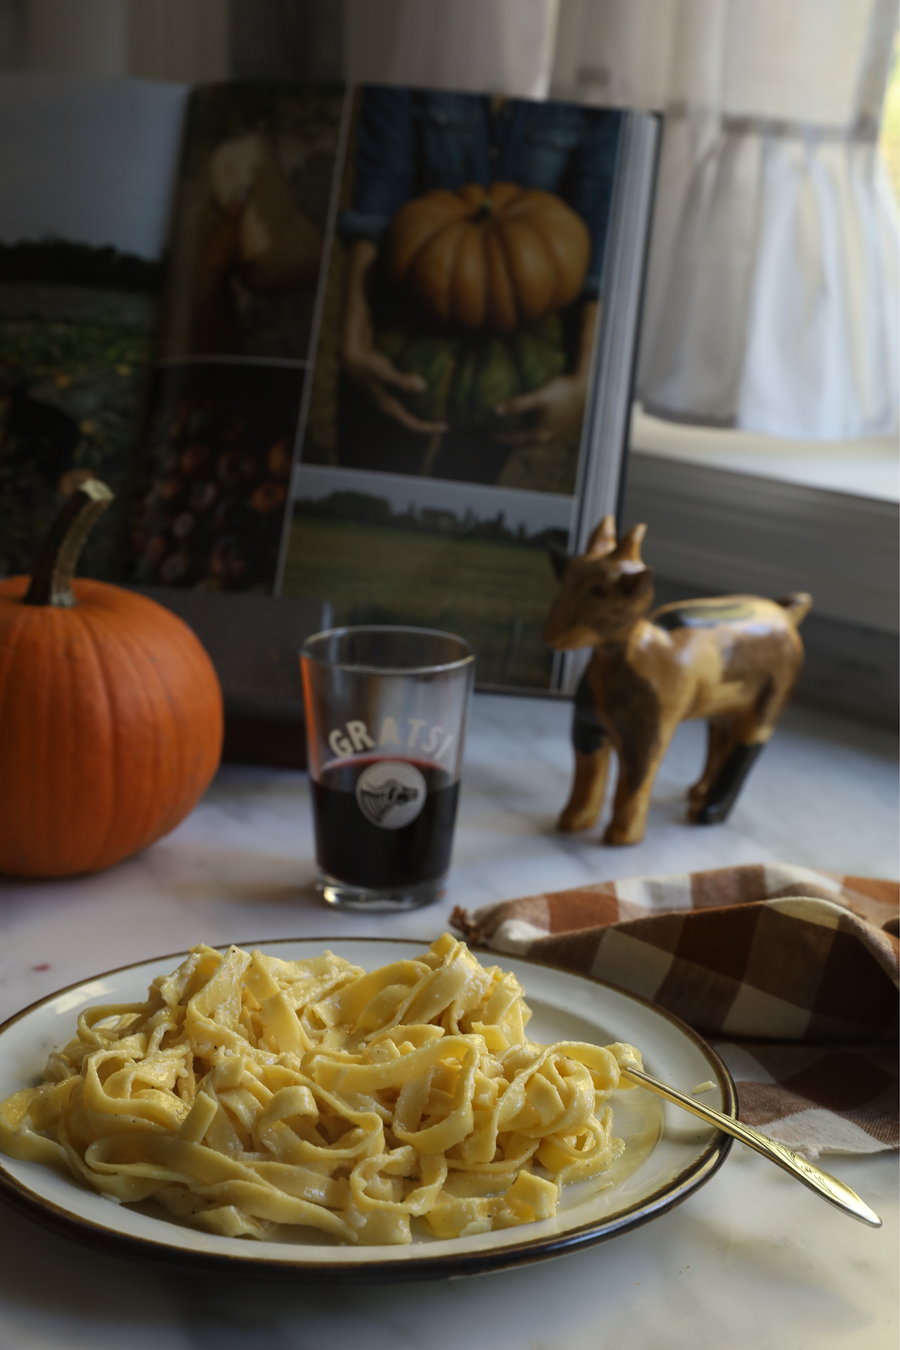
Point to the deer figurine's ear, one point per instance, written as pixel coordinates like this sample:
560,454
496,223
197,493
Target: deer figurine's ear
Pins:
628,549
637,583
559,560
603,540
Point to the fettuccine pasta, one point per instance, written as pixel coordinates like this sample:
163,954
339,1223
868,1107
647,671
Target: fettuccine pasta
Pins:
249,1092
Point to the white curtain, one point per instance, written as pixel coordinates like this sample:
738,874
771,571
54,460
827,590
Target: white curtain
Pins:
772,294
178,40
500,46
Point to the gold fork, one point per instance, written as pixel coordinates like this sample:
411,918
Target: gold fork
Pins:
823,1183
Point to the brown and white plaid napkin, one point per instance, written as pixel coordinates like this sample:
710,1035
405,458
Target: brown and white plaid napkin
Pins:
791,973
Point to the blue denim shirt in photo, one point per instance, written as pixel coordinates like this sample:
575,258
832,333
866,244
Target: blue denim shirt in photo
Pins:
410,141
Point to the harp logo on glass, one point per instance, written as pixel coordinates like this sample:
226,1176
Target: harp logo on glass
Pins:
391,793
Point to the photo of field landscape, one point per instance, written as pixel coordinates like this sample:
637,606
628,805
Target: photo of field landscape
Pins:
488,582
76,331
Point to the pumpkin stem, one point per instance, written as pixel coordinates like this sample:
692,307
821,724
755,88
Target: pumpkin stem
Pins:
51,580
486,209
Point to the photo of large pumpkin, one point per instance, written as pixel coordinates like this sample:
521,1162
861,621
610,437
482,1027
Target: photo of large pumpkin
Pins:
466,378
494,258
110,712
279,248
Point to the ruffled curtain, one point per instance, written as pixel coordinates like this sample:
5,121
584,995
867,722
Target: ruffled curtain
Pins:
772,294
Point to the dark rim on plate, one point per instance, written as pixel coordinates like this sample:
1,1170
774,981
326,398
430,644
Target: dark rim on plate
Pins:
410,1268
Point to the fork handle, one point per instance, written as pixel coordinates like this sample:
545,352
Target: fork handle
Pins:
823,1183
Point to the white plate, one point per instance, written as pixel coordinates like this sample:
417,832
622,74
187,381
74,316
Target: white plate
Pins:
669,1153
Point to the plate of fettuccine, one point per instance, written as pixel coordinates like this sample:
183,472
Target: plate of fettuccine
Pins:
337,1109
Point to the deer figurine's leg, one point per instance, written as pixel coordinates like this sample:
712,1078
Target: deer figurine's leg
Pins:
746,737
588,789
634,787
722,792
592,746
720,738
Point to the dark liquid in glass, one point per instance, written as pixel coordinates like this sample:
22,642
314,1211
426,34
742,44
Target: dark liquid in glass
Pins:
351,849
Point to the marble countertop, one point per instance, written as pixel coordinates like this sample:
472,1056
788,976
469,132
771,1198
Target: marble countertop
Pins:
752,1259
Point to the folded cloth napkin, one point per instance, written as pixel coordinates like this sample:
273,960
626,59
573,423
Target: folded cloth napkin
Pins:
791,973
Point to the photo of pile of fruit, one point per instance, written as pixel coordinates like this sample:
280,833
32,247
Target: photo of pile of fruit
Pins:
219,465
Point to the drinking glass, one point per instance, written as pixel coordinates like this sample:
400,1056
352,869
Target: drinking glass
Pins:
385,717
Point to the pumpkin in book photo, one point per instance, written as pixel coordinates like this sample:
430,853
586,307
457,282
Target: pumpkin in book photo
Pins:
476,304
110,712
481,277
495,257
250,210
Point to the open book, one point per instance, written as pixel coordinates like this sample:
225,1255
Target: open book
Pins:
390,363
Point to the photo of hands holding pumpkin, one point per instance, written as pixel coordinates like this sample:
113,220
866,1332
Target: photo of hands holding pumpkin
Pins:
474,241
483,278
366,365
556,409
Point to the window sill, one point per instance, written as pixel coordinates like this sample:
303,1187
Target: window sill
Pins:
733,512
868,467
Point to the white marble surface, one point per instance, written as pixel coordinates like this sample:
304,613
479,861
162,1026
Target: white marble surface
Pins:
752,1260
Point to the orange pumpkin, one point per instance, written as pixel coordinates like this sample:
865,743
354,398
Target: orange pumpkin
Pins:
495,257
110,712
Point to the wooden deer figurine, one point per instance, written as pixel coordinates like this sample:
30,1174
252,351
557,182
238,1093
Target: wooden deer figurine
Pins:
732,659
